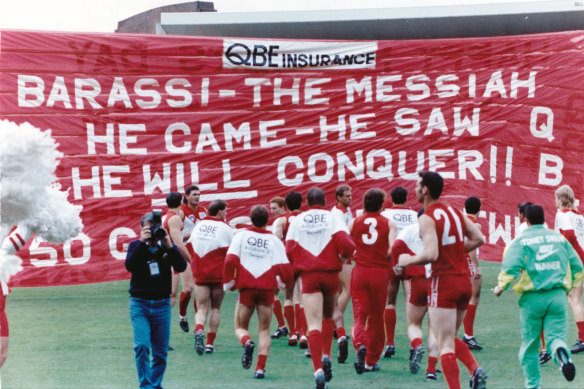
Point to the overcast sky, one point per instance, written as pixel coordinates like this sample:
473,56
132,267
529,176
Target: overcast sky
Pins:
103,15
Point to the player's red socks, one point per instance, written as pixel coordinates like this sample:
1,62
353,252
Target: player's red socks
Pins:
244,339
389,317
340,332
183,303
199,327
469,319
289,315
416,342
542,337
211,338
278,312
463,353
261,363
450,370
432,362
328,329
580,325
315,347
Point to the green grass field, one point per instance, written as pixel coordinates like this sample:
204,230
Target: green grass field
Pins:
81,337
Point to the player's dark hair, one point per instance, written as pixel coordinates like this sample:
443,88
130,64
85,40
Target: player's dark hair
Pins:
373,200
173,199
522,207
421,211
191,188
259,216
434,182
399,195
472,205
188,191
216,206
534,214
341,189
293,201
315,196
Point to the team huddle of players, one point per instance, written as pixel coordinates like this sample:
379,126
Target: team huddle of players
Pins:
321,258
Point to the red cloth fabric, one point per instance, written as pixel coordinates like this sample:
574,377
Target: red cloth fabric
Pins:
254,259
368,309
450,231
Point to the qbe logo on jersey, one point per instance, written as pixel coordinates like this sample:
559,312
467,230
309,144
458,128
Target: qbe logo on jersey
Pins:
277,55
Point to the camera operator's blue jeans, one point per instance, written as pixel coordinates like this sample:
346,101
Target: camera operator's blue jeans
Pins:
151,323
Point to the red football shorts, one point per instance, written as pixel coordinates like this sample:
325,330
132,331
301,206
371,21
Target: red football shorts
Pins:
419,291
253,297
449,291
210,284
325,282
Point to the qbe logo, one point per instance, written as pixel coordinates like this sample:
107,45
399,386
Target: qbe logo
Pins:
256,54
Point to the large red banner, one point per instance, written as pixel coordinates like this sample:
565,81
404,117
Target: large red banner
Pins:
138,116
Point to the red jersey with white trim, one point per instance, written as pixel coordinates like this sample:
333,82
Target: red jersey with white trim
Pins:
401,216
254,259
199,214
409,242
571,224
208,246
16,238
315,240
345,214
192,217
370,233
166,218
289,217
450,231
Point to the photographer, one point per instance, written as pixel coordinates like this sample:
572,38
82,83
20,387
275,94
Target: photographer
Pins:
150,260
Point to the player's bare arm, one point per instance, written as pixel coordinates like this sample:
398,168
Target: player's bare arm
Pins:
392,234
474,258
475,263
474,237
279,226
175,226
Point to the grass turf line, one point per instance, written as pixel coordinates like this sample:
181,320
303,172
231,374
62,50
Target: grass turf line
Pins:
81,337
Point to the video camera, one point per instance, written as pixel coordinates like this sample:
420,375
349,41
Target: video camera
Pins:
157,233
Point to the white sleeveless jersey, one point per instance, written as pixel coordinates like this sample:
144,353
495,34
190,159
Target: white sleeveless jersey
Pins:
402,217
347,215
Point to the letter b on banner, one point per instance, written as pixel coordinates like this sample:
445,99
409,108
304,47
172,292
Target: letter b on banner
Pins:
550,169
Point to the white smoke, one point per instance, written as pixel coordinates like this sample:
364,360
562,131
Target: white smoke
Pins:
29,194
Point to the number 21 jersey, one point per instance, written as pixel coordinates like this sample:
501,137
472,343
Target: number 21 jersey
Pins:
450,231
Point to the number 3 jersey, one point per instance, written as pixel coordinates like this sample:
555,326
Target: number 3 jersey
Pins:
371,235
255,258
450,231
